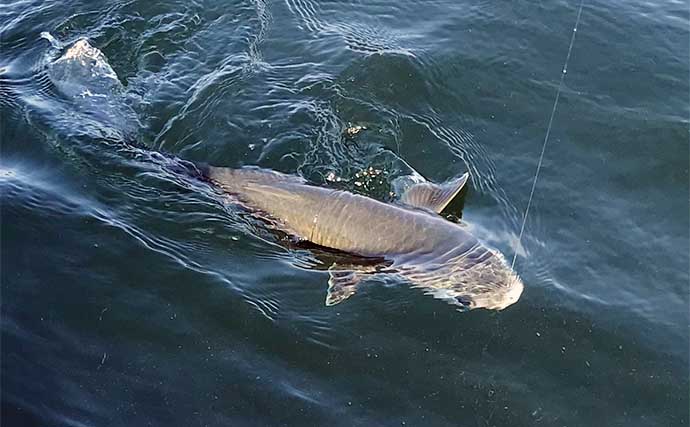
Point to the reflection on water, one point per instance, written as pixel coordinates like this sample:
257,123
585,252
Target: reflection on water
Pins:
133,295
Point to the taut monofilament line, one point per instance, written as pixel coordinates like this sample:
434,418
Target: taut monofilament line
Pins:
548,133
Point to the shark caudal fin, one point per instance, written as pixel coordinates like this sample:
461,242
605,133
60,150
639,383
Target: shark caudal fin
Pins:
435,197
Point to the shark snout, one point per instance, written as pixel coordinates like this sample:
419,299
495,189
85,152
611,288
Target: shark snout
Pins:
513,294
503,298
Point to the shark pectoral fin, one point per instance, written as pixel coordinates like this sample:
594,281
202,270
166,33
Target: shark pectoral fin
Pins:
432,196
341,285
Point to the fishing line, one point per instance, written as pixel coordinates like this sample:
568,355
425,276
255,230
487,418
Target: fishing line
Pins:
548,133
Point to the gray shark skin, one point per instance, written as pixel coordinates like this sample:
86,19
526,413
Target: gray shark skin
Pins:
427,250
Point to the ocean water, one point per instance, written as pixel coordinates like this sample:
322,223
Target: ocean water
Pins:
132,296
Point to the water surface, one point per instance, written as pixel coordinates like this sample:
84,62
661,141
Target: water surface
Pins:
131,296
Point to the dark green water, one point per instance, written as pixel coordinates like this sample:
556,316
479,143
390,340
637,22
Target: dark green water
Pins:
130,297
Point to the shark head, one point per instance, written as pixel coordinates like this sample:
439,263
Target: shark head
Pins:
487,282
490,283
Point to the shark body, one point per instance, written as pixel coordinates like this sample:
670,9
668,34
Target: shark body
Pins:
410,238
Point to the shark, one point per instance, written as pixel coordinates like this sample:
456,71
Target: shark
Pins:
408,238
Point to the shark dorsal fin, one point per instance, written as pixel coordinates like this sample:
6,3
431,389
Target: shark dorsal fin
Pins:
435,197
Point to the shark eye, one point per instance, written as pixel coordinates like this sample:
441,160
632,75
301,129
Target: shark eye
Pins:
464,301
